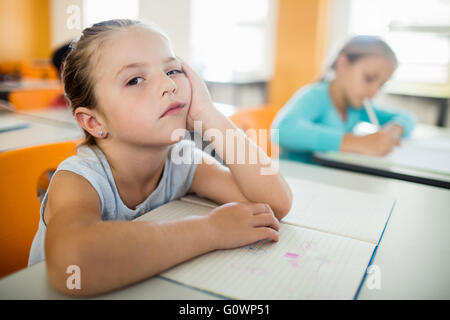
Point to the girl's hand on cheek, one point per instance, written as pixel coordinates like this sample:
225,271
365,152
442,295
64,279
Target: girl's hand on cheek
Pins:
201,101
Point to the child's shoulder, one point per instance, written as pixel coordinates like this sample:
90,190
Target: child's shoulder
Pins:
315,94
86,162
313,90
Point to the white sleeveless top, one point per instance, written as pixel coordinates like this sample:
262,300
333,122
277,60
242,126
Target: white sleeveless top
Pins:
91,163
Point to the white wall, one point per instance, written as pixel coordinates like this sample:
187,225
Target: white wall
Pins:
173,16
272,34
60,32
338,29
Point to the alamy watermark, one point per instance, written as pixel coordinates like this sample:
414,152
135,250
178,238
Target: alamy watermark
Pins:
235,144
74,17
74,280
373,279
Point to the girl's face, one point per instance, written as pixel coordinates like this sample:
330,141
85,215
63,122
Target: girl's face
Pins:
364,77
138,78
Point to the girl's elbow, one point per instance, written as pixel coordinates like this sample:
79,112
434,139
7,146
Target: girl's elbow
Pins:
285,204
65,269
282,211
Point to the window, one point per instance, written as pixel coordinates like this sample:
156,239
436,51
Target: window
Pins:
231,39
101,10
418,31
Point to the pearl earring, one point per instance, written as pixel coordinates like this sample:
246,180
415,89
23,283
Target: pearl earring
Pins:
100,133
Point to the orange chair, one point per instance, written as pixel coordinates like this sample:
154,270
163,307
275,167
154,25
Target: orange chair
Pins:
257,118
29,99
39,69
20,172
30,68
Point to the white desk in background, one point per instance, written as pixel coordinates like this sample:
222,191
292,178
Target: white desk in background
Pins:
413,257
61,115
9,124
436,91
28,84
36,131
424,158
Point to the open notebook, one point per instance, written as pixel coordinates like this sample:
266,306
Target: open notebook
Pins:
326,243
427,150
431,154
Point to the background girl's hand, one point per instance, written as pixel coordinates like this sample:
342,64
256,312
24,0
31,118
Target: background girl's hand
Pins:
237,224
394,131
379,143
200,98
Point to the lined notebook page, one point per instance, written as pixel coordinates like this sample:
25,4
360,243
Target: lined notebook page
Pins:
304,264
340,211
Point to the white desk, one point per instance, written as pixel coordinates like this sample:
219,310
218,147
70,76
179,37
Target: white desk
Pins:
59,115
436,91
385,166
413,256
39,131
29,84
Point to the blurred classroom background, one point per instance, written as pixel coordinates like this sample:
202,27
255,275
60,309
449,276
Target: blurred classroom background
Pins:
252,52
253,55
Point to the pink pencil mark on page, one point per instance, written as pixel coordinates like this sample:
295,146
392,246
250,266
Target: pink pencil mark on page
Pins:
291,255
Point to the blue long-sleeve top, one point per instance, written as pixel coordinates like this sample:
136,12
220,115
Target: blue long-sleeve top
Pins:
309,122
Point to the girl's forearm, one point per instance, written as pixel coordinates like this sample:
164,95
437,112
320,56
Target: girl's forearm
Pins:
255,173
113,254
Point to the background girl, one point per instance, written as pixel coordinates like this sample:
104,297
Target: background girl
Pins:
130,92
321,116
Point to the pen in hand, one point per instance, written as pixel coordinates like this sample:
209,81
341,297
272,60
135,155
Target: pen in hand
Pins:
372,116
